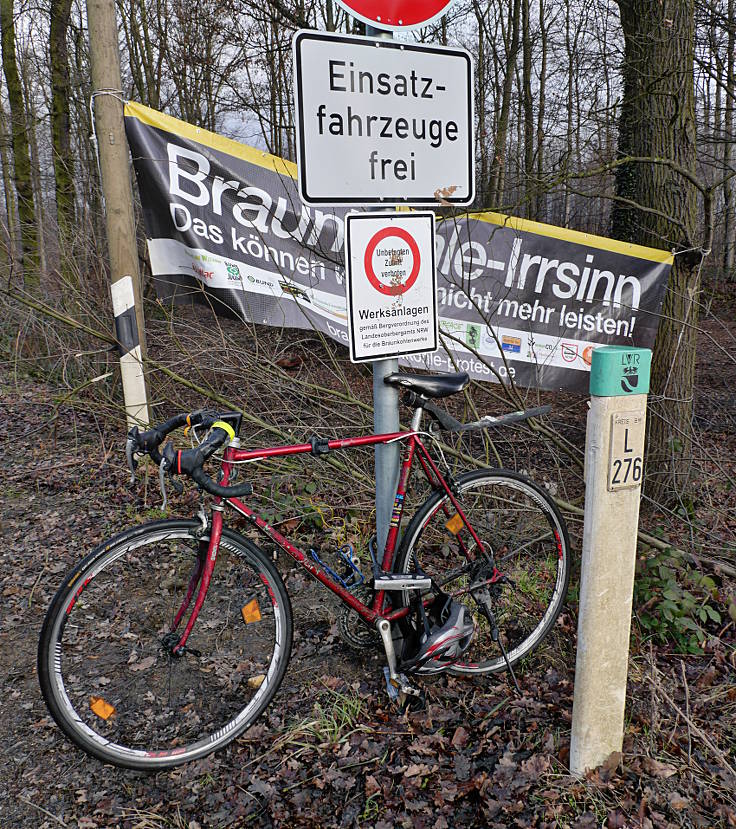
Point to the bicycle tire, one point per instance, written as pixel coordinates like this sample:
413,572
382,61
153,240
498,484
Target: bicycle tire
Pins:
109,681
530,547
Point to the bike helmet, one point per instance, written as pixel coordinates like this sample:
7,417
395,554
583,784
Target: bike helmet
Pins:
451,629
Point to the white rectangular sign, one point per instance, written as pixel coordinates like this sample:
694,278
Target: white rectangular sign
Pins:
626,463
382,122
391,284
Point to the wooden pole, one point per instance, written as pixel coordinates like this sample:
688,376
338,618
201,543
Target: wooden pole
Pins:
112,148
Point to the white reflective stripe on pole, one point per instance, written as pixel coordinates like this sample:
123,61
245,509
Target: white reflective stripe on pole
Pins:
614,450
134,388
131,356
385,419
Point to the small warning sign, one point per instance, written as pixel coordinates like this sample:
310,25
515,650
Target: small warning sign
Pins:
391,284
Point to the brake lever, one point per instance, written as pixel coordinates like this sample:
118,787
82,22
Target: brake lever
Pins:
164,468
162,482
130,447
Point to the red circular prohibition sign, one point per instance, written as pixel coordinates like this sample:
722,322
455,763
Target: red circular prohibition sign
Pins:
391,290
396,14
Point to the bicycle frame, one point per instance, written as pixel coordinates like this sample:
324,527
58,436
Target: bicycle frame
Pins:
412,445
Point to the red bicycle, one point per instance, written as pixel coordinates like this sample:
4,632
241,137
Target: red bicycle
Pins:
167,641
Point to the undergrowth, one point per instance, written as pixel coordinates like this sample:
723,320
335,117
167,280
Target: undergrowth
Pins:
677,604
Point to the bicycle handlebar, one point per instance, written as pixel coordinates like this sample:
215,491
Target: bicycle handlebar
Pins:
148,442
188,461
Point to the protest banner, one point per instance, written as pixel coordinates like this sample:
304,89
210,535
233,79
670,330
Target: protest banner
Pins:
516,298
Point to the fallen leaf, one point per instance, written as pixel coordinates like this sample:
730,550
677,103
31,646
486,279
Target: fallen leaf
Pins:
144,664
658,769
371,785
707,679
289,361
535,766
677,801
255,682
616,820
460,737
611,762
415,769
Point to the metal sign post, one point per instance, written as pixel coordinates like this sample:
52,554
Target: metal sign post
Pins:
383,124
385,419
614,458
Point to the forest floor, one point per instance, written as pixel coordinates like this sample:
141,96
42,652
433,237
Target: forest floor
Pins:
331,750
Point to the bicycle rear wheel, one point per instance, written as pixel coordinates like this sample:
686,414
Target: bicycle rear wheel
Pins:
107,675
521,527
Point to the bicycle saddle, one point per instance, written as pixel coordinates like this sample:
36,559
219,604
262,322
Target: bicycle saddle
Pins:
429,385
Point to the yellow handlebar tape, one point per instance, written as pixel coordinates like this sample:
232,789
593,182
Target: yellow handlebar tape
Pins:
226,427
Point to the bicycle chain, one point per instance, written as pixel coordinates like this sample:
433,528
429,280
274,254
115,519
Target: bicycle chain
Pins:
352,629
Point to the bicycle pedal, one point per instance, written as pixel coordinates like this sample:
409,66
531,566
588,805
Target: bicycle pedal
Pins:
412,704
399,689
391,689
398,581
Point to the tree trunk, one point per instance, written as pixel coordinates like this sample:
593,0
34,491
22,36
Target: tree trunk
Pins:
41,239
8,191
499,160
540,207
91,216
571,48
729,230
21,158
480,107
658,120
60,124
530,201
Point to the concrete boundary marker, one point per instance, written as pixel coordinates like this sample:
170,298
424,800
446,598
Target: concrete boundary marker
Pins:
614,458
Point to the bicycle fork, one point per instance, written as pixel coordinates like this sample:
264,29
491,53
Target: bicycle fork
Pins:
174,643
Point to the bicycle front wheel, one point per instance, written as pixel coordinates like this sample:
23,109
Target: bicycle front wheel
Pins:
104,659
526,539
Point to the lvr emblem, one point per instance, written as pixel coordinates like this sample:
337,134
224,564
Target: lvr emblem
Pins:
630,373
630,380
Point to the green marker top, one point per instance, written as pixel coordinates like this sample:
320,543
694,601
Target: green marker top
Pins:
620,370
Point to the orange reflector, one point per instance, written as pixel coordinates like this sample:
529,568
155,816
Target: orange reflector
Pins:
251,612
455,524
103,709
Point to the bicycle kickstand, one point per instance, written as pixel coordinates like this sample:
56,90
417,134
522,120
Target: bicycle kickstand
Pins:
483,598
